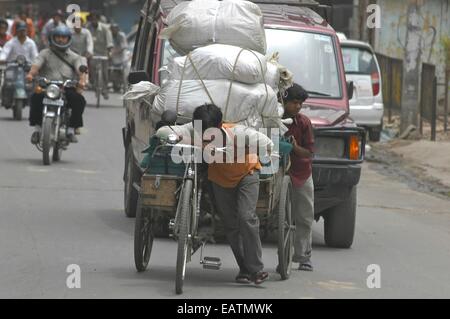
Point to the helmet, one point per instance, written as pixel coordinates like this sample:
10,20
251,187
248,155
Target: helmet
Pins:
58,13
61,30
21,26
3,22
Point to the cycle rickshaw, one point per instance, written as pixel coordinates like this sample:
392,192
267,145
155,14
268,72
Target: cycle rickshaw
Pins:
179,190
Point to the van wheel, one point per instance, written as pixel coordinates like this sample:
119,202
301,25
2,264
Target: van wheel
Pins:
17,110
375,133
130,193
339,226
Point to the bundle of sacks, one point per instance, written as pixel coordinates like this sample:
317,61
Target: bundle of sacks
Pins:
226,64
194,24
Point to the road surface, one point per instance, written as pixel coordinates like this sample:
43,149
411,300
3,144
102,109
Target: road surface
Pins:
71,213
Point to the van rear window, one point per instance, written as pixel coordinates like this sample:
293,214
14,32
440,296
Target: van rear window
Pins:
358,61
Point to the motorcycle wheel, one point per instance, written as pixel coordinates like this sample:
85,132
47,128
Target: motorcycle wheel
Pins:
17,110
99,87
46,140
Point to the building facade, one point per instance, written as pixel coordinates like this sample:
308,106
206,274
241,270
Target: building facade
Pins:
434,21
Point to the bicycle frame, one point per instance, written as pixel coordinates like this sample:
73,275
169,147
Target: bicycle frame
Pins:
190,173
97,64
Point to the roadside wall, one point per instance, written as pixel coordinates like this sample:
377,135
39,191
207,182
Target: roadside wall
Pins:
435,23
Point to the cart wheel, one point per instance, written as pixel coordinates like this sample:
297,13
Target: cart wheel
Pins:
285,230
183,232
143,238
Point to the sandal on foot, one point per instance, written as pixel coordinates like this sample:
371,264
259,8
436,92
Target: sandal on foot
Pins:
307,266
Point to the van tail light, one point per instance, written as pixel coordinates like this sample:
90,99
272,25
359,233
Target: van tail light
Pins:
354,146
375,83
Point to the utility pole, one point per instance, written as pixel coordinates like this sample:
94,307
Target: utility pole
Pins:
412,66
363,35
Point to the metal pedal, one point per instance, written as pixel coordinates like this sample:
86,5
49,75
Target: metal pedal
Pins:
212,263
172,225
171,228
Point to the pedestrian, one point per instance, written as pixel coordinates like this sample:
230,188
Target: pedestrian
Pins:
103,44
236,188
301,174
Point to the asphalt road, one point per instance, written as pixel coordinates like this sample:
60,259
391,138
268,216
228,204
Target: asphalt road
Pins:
71,213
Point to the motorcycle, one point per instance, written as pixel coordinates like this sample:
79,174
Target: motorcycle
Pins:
16,91
55,118
117,77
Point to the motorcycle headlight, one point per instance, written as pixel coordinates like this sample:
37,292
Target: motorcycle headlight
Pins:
53,92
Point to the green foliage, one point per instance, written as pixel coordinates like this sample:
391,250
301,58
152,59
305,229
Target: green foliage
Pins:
446,45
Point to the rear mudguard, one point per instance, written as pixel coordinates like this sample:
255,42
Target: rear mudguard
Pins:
20,94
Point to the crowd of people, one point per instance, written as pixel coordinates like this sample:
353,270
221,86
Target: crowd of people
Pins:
55,49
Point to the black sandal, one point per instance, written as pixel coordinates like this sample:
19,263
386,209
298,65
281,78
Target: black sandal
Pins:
306,266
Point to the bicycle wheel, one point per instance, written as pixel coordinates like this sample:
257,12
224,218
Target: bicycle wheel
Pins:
183,234
285,229
99,84
143,238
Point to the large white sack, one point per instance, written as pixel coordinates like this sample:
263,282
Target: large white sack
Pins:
143,90
220,61
225,62
253,105
194,24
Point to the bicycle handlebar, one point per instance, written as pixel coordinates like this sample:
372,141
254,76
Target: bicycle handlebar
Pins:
100,58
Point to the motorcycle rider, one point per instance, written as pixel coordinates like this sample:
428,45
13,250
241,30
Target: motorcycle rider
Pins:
55,21
58,63
22,16
118,51
82,43
4,36
19,45
103,43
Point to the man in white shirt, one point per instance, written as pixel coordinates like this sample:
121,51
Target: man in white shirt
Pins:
82,42
103,44
19,45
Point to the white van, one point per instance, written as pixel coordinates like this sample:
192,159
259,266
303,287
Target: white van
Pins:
361,67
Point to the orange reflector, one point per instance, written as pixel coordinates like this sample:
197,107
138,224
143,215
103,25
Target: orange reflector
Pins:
354,148
38,90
